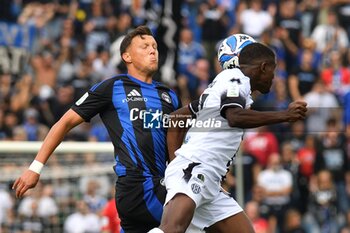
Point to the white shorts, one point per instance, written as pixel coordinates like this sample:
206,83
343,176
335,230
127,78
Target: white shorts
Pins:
213,204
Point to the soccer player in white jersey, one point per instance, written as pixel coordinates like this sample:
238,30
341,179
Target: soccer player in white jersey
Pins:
193,178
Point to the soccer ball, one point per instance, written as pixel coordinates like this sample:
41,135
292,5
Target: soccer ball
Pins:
230,48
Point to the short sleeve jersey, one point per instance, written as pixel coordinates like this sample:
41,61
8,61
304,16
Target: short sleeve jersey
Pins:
211,140
122,102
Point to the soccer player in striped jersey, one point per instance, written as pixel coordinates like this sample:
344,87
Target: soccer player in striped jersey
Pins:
123,102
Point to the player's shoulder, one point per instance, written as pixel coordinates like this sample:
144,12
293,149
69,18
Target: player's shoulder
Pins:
230,75
163,87
108,82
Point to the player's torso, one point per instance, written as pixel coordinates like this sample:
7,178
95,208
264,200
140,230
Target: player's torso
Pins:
216,144
138,146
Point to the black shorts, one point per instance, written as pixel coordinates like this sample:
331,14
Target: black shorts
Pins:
139,203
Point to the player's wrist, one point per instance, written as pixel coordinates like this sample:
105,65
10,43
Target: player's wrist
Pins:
36,166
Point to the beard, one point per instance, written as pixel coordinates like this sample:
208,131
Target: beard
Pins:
152,69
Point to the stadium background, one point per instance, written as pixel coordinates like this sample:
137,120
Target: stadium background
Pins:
52,51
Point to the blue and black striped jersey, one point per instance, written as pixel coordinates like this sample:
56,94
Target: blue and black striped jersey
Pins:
123,103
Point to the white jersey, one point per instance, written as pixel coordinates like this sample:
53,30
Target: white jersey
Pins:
217,144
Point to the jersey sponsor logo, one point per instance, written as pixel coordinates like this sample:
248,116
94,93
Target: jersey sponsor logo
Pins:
196,188
136,114
134,95
82,99
166,97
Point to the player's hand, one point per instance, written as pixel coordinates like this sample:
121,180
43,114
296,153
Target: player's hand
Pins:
296,111
27,181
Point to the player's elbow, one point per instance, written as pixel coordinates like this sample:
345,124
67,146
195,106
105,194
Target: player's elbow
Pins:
235,118
233,122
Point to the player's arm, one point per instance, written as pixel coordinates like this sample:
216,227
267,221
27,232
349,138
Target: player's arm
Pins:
30,178
176,135
247,118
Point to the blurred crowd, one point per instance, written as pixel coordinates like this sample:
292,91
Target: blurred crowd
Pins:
296,177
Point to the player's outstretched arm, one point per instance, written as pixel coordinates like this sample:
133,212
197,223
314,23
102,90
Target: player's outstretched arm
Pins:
30,177
247,118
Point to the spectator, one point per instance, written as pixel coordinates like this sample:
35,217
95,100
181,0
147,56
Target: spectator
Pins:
309,12
103,66
260,224
68,63
95,29
296,135
309,45
336,77
98,133
346,226
94,201
60,102
36,14
110,218
288,30
331,155
293,223
82,220
322,105
303,77
346,113
306,157
290,163
330,36
21,95
255,20
342,8
213,21
189,52
6,203
261,144
2,128
41,198
322,212
84,76
11,121
276,185
45,69
202,73
6,89
39,210
35,131
269,38
251,169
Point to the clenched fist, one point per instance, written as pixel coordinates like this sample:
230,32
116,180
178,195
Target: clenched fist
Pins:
296,111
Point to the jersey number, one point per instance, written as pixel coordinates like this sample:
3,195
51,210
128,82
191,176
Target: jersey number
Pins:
202,100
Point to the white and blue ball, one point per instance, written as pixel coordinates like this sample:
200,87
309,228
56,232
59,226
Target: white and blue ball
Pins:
230,49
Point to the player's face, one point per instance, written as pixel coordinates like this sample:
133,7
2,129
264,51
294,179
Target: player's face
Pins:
144,54
267,74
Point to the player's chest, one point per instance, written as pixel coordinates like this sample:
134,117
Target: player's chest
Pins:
137,100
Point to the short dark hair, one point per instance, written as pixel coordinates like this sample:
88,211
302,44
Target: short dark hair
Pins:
256,52
139,31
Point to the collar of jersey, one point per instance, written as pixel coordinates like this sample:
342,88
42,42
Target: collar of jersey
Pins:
139,81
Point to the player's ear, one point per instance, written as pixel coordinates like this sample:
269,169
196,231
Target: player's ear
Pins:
263,67
126,57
